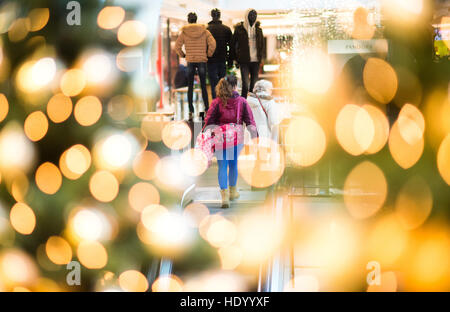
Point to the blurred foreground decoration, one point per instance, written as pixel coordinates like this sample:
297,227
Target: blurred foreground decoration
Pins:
82,178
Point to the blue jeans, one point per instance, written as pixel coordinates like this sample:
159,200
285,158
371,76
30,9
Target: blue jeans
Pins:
216,71
228,159
192,68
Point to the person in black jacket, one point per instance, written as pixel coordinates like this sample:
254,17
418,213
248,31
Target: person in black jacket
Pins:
217,63
247,49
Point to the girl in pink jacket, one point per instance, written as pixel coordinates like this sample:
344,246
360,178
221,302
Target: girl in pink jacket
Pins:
224,110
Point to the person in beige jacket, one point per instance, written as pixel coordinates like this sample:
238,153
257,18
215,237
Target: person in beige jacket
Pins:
199,44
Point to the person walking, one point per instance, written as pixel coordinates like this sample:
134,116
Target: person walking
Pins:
267,113
217,68
227,111
247,49
199,44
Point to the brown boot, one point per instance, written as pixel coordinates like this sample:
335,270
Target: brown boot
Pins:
234,193
225,198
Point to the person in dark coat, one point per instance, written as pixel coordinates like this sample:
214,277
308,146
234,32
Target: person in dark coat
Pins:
247,49
217,63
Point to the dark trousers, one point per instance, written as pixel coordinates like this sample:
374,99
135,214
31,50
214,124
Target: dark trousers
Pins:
252,70
192,69
216,71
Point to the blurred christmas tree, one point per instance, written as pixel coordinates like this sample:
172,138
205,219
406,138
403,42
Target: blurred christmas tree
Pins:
75,165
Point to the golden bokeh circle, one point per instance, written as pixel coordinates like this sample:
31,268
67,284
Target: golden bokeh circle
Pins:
194,162
167,283
411,124
36,126
381,129
22,218
4,107
443,159
365,190
104,186
144,165
380,80
262,164
73,82
48,178
142,195
405,155
414,203
132,33
59,108
176,135
92,254
110,17
58,250
305,141
88,110
355,129
133,281
38,18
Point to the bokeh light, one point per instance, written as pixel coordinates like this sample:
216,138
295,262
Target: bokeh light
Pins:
195,213
38,18
88,110
58,250
365,190
16,151
73,82
176,135
104,186
142,195
194,162
443,159
22,218
411,124
17,268
120,107
75,161
90,224
110,17
405,155
133,281
144,165
314,71
167,283
167,233
48,178
380,80
92,254
381,129
132,33
305,141
414,203
59,108
355,129
387,241
262,164
19,29
4,107
36,126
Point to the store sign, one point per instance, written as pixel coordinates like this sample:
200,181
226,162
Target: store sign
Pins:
357,46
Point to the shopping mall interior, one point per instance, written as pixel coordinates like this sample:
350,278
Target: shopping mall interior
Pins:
104,168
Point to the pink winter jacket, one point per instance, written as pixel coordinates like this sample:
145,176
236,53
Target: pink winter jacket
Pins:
220,115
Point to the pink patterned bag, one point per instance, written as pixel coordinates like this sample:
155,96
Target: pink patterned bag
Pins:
220,137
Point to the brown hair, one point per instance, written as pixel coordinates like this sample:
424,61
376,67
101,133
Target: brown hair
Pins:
224,88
